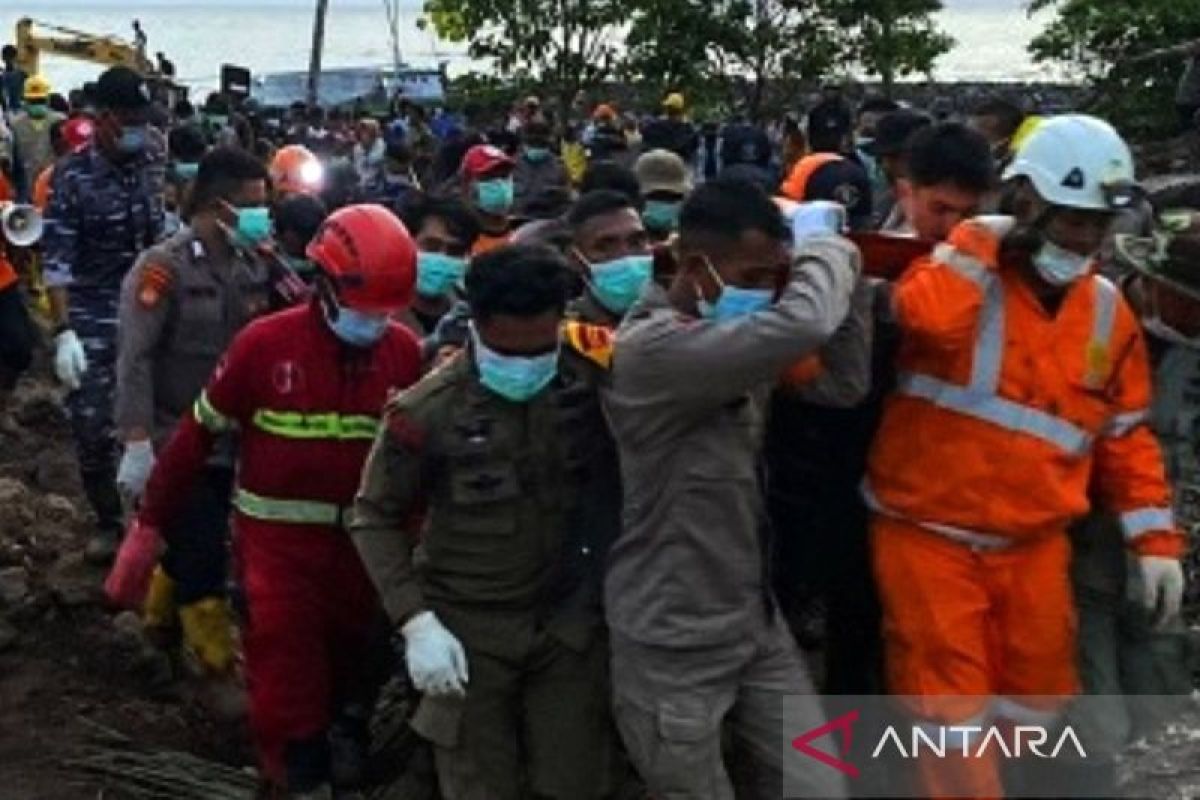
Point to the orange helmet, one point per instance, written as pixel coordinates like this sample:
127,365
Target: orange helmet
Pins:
368,255
295,170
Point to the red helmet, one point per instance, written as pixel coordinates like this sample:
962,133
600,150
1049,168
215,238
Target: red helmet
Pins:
77,133
369,256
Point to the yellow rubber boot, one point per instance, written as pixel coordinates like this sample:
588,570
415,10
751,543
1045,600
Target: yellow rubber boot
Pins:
158,612
208,636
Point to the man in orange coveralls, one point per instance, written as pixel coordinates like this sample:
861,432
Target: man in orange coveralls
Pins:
1024,380
305,388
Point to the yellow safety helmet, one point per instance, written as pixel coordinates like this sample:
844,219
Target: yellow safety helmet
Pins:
37,88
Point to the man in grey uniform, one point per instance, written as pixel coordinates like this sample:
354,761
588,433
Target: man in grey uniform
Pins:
696,639
181,305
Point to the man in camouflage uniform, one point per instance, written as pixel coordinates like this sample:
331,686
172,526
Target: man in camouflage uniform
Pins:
181,305
1124,650
106,207
506,448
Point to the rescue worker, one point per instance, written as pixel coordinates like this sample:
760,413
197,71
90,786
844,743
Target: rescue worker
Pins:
17,336
1122,652
672,131
663,181
1028,374
696,641
487,187
538,167
816,456
105,207
297,218
828,176
304,388
507,448
295,170
444,231
611,251
30,129
181,305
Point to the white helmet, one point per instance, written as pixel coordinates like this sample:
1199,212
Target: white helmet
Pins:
1077,161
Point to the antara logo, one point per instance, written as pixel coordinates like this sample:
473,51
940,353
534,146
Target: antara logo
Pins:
969,741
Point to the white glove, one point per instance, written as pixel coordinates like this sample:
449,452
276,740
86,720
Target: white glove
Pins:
70,362
1162,586
818,218
136,465
436,660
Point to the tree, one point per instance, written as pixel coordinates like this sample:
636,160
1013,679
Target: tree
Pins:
890,38
563,44
740,47
1103,41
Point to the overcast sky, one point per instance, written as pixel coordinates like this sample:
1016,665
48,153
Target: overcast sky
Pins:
410,4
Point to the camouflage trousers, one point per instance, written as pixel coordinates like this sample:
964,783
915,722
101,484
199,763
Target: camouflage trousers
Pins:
93,317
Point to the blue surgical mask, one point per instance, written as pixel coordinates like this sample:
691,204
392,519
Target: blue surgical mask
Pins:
438,273
1059,266
515,378
186,170
253,226
132,139
618,283
661,215
494,196
536,155
734,301
358,329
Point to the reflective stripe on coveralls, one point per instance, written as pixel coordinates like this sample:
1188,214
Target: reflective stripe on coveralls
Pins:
300,512
209,418
296,425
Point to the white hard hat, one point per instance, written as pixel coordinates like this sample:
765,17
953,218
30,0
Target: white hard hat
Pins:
1077,161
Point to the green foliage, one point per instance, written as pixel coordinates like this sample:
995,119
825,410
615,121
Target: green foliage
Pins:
1102,39
562,44
890,38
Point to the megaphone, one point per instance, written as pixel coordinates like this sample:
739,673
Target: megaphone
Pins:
21,223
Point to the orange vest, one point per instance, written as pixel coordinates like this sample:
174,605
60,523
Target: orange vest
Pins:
488,241
41,189
1006,417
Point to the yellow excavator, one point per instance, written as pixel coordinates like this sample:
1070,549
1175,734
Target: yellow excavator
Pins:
109,51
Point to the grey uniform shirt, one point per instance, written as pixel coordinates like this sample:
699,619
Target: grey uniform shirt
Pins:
179,311
684,406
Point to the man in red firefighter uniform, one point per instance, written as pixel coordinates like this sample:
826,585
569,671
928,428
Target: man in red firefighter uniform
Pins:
304,388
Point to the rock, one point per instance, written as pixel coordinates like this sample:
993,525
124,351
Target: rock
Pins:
8,635
127,631
14,586
16,507
55,472
38,407
71,582
59,510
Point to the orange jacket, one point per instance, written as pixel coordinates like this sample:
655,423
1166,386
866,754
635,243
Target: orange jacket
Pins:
1005,416
41,188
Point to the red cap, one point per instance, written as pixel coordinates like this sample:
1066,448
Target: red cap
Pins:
77,133
484,159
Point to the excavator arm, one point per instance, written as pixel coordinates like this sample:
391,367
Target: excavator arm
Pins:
106,50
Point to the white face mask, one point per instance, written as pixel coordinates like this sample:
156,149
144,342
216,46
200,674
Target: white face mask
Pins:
1059,266
1164,332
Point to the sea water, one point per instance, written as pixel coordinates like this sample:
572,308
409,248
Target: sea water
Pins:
275,35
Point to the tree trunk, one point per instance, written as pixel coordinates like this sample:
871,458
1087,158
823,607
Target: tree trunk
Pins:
318,45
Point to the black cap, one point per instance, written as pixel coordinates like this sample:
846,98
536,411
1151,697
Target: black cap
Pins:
120,88
893,130
844,182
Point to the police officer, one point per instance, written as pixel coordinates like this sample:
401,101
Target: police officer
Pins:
507,448
106,207
181,305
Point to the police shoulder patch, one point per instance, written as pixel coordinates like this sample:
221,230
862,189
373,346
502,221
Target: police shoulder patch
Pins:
593,342
153,284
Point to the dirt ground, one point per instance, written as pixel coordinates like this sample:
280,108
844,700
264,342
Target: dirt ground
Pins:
65,659
67,662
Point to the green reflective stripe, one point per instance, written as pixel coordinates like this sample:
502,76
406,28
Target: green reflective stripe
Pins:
209,417
295,425
270,509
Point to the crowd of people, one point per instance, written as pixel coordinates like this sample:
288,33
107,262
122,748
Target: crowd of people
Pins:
599,418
